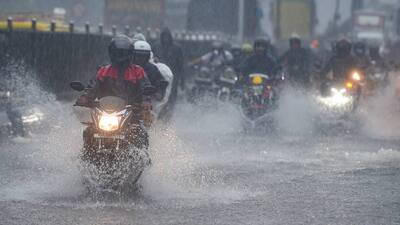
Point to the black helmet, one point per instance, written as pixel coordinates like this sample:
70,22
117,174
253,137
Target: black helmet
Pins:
343,47
120,50
261,45
295,40
360,48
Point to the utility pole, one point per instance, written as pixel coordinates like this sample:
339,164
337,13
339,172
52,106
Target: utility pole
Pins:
241,21
336,17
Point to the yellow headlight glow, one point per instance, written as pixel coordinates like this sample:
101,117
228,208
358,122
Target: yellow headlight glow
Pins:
349,85
109,122
257,80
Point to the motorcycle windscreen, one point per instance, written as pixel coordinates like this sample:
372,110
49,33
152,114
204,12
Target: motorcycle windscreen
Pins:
112,104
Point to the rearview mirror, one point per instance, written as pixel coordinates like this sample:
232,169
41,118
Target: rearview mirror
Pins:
77,86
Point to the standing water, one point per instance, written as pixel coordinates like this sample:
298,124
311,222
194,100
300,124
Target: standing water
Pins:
206,171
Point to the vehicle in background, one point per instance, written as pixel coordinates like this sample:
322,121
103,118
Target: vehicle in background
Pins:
18,118
289,16
258,100
204,85
222,16
142,13
226,82
341,96
23,20
369,25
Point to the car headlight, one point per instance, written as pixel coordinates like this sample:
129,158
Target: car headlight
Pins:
109,122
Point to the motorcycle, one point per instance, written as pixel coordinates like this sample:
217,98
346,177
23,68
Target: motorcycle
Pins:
342,95
376,79
204,84
18,120
114,154
226,84
258,100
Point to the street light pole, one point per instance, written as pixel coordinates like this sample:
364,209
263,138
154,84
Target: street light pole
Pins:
337,15
241,21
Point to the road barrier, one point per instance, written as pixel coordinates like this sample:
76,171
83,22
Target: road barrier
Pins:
60,53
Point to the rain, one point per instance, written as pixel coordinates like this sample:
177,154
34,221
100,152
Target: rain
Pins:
199,112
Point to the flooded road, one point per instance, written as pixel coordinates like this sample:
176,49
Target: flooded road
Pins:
207,172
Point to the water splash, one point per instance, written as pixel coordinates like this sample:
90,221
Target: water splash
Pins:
381,113
296,113
44,164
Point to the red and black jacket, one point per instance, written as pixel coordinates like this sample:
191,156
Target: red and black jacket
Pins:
125,83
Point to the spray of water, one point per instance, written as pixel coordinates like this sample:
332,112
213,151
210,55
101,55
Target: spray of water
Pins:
44,164
187,156
296,113
381,113
179,167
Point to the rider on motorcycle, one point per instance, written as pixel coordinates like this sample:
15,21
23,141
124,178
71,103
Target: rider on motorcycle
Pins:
340,65
6,105
360,51
122,79
218,57
260,61
297,61
376,57
141,57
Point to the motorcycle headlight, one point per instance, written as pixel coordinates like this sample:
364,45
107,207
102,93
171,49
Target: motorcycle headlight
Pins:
257,80
338,98
349,85
338,92
33,118
356,76
109,122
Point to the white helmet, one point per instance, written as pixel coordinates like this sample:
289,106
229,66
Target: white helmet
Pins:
139,37
142,46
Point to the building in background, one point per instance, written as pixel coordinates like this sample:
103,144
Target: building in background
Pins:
293,16
142,13
223,16
176,14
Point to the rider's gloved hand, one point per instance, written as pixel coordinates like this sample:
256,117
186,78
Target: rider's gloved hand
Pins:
83,100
